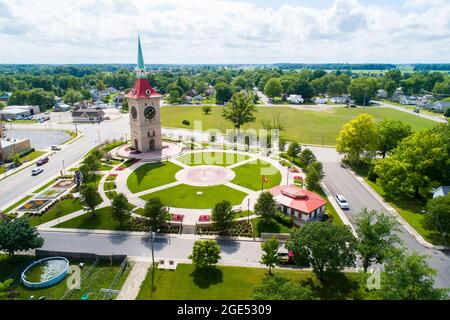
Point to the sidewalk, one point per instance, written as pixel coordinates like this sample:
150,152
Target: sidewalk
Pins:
132,285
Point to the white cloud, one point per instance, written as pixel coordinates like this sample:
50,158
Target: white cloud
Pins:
217,31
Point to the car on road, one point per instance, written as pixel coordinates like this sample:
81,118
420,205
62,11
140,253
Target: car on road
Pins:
342,202
56,148
42,161
417,110
36,171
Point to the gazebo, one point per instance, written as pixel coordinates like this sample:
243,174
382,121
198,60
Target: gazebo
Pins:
301,204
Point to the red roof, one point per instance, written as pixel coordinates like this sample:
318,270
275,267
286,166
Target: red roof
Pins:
142,90
297,198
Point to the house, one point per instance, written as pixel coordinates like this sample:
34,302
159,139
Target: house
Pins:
110,90
382,94
191,93
318,100
210,91
5,96
301,204
295,99
198,98
91,115
340,99
441,191
62,107
407,100
441,106
82,105
57,100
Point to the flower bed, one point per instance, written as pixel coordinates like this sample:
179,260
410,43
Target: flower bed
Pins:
204,218
64,184
34,205
141,225
111,177
243,229
177,217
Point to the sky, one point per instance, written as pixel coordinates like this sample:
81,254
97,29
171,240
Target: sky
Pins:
225,31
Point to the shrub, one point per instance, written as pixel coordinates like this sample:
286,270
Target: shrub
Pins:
186,122
372,175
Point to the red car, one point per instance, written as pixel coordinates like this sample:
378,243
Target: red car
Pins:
42,161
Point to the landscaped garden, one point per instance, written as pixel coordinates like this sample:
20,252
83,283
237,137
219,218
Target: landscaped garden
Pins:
59,210
191,197
236,283
152,175
250,175
223,159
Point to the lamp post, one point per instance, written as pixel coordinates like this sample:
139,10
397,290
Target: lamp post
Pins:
248,210
152,238
288,170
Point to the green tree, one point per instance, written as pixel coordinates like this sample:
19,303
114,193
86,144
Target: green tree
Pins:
408,277
120,209
205,254
324,246
390,133
72,96
438,215
156,213
4,287
223,216
377,236
273,88
92,163
358,136
240,109
337,88
224,92
362,90
270,253
390,87
90,198
304,88
265,206
276,287
294,150
18,235
175,94
206,110
101,85
307,157
314,175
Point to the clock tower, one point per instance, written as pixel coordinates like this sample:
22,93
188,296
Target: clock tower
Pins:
144,105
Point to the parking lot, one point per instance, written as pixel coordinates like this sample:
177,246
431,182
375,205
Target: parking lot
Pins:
40,139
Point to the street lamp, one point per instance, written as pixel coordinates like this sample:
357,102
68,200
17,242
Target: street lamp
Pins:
248,210
152,238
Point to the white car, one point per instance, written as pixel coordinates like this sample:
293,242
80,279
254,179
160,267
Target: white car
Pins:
36,171
342,202
56,148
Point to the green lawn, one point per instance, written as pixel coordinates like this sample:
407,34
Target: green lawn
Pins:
67,206
101,277
223,159
250,175
313,127
236,283
185,196
273,226
32,156
13,206
152,175
45,186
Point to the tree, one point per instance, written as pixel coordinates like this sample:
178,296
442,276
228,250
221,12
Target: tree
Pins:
337,88
408,277
419,164
120,209
276,287
224,92
18,235
314,175
390,87
240,109
72,96
4,287
206,110
205,254
390,133
358,136
273,88
266,207
270,253
376,235
438,215
293,150
101,85
92,162
223,216
307,157
324,246
156,213
90,198
362,90
304,88
447,113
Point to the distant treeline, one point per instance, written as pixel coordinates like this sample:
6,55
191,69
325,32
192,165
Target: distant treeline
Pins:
432,67
336,66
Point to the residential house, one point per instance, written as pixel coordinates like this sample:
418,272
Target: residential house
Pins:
441,106
382,94
191,93
5,96
198,98
318,100
408,100
441,191
301,204
91,115
62,107
295,99
341,99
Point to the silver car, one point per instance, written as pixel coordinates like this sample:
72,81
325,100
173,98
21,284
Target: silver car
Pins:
342,202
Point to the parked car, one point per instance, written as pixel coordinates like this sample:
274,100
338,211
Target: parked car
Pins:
342,202
417,110
42,161
56,148
36,171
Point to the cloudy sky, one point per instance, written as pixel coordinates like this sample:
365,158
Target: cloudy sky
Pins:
225,31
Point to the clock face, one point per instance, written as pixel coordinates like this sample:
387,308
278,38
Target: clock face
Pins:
134,113
150,113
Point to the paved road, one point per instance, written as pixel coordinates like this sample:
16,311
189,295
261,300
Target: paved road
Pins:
422,115
39,139
165,248
340,181
21,183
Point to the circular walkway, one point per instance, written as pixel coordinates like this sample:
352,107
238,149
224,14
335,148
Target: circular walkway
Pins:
205,176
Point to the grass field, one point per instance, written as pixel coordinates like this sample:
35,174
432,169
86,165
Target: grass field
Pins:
223,159
236,283
152,175
268,227
32,156
250,175
103,220
312,127
185,196
67,207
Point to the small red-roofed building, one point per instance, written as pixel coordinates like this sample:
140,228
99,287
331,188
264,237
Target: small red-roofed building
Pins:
301,204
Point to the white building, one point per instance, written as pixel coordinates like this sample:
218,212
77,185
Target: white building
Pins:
318,100
295,99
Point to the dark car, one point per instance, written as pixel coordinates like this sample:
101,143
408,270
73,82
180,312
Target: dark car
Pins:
42,161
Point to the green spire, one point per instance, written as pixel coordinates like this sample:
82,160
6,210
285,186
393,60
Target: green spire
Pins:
141,64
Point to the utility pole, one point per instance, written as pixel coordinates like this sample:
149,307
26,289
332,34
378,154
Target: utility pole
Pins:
64,167
99,139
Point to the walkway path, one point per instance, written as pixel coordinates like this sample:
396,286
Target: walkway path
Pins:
132,285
